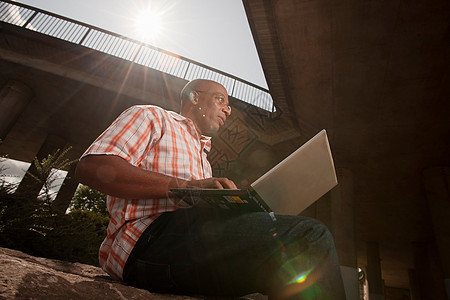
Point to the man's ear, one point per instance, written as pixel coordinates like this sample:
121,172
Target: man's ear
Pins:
193,97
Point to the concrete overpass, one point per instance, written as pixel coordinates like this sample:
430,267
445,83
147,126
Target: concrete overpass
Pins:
375,75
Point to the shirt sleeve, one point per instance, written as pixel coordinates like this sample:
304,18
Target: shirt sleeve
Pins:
130,136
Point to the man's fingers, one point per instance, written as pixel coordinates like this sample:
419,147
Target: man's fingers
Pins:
214,183
217,183
226,183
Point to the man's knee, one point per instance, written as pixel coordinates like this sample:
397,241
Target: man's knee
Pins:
319,231
312,232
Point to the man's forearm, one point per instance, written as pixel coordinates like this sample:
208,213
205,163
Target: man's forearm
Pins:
114,176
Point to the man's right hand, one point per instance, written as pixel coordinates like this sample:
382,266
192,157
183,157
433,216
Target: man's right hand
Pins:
211,183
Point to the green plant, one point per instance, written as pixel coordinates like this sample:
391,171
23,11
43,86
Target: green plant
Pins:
46,170
22,215
28,223
76,237
87,198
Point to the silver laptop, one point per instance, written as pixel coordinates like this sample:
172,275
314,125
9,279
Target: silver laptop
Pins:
288,188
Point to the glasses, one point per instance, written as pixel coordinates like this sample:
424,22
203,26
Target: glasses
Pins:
220,99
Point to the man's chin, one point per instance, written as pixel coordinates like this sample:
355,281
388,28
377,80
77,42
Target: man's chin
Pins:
212,131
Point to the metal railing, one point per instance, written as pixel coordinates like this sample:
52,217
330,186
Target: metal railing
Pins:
129,49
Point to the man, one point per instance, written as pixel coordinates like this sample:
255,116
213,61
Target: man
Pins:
158,242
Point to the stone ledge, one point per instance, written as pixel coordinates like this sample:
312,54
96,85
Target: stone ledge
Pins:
23,276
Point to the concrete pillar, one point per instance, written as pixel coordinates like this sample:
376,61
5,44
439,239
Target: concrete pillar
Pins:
437,190
429,273
335,209
414,285
374,271
66,192
343,228
29,187
14,97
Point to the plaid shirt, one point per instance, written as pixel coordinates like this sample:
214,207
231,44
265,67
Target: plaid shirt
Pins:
154,139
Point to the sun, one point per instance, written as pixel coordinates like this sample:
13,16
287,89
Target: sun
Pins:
148,25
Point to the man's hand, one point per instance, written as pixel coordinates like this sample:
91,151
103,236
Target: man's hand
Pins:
212,183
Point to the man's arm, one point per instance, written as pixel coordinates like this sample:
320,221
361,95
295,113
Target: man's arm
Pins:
114,176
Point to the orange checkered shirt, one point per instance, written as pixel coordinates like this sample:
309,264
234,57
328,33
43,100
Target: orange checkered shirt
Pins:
154,139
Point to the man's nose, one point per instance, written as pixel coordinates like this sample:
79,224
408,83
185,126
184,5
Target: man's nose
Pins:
227,110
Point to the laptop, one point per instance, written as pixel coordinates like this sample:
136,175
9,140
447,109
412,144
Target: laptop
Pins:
288,188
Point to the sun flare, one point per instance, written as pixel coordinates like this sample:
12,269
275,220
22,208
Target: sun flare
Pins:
148,25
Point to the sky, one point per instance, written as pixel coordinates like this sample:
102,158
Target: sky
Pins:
212,32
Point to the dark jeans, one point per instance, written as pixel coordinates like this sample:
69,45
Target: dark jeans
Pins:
215,252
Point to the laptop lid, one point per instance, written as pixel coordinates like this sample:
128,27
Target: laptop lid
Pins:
300,179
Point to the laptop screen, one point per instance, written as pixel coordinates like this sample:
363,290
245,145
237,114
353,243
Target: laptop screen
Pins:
300,179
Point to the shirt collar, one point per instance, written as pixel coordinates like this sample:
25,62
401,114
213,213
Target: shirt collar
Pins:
206,141
177,116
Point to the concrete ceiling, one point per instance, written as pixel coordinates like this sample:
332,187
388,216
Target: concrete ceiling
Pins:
376,75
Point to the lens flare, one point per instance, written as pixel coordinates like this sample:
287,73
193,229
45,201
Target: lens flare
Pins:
300,278
148,24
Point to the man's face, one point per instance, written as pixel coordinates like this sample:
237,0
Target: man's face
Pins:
212,107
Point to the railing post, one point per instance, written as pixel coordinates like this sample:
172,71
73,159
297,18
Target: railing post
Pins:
30,19
84,36
187,69
232,89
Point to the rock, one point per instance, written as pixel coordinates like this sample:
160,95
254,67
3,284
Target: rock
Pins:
23,276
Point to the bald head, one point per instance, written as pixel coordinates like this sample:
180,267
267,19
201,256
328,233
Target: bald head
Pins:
195,85
205,102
